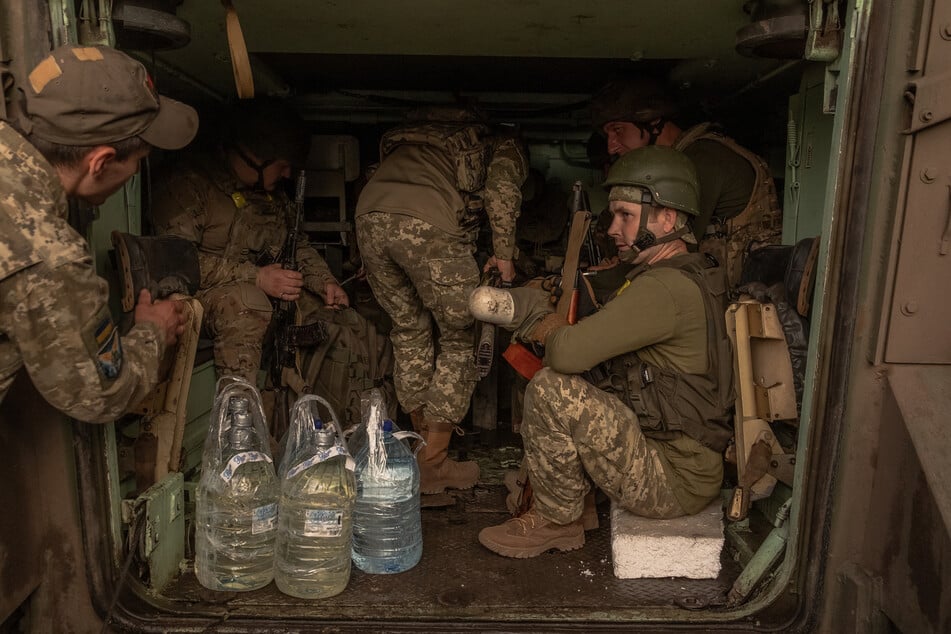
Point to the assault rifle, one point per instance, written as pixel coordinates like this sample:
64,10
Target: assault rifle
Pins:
578,234
284,335
519,357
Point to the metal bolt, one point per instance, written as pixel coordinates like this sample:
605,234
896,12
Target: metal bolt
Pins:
926,116
929,175
909,308
946,31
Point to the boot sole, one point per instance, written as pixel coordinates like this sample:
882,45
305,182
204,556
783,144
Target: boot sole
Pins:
563,544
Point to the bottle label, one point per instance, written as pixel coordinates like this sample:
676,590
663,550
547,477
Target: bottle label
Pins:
264,519
320,456
323,523
242,458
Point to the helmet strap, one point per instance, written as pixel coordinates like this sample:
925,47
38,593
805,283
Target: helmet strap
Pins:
647,238
652,129
258,167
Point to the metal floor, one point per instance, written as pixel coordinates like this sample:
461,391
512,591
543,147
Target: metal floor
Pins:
458,580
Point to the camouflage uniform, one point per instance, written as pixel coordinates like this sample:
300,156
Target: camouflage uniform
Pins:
53,308
562,444
417,235
234,230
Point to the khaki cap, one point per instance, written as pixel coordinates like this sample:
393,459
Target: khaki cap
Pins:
90,95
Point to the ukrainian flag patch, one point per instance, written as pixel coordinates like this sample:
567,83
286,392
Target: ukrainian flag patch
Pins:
109,348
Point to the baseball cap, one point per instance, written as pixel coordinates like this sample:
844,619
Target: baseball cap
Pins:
89,95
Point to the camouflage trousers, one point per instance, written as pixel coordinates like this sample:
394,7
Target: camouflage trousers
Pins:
422,278
571,428
236,318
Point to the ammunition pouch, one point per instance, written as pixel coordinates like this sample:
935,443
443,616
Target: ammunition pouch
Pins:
162,264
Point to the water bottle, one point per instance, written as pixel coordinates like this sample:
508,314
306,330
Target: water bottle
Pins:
318,491
387,530
236,502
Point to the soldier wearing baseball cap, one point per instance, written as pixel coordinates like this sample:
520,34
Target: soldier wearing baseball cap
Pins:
87,117
94,95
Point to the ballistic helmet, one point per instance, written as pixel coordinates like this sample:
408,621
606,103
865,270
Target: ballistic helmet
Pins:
269,129
640,100
667,174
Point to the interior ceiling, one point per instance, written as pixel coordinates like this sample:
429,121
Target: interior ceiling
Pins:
550,52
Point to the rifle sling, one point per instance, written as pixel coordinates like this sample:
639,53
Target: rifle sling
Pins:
576,236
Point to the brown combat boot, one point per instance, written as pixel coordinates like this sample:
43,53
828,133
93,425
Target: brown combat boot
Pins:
529,535
589,516
436,471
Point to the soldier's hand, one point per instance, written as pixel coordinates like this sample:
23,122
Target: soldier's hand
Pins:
545,326
167,314
335,296
506,268
280,283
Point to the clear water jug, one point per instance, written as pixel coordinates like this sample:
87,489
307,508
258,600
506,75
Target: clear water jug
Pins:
315,519
236,502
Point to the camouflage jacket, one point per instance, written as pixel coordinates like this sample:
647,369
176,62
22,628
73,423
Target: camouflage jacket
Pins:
420,180
54,313
234,228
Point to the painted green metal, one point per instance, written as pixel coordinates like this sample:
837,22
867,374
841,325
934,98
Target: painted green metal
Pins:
808,157
63,22
163,540
772,548
858,12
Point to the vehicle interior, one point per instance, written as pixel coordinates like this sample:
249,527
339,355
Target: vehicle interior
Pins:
770,72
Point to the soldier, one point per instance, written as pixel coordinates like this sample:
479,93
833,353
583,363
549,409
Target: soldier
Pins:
606,407
89,116
738,204
417,222
230,204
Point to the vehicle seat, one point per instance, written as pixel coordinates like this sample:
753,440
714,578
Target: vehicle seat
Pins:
768,329
168,267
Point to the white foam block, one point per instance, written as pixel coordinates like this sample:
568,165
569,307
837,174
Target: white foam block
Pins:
683,547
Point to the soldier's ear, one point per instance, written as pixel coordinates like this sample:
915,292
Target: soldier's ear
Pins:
668,218
98,159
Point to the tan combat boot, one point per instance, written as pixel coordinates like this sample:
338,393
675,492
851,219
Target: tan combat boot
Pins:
436,471
529,535
589,516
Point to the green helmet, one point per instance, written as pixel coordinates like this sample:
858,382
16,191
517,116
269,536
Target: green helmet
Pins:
668,174
640,101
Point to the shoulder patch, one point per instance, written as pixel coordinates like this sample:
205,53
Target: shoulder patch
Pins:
108,348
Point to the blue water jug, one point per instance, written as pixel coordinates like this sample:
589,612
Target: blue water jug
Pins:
387,529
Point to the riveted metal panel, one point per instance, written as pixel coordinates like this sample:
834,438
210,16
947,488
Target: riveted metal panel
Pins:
920,308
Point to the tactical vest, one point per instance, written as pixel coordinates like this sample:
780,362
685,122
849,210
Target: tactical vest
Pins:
259,222
463,141
761,221
668,401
